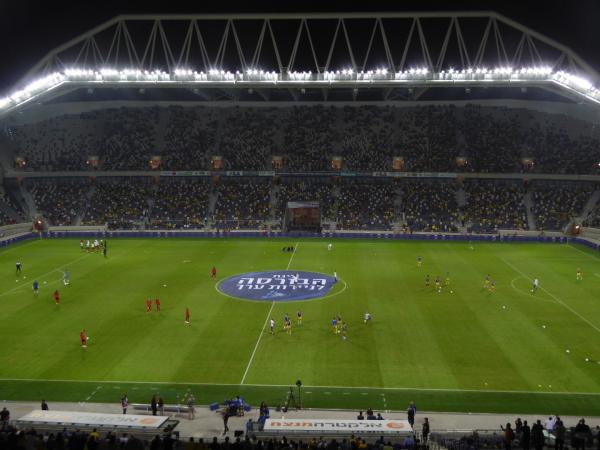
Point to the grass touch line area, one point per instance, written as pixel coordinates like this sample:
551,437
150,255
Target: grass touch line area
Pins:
459,348
389,399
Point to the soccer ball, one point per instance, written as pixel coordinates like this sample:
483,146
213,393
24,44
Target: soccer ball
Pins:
452,292
88,338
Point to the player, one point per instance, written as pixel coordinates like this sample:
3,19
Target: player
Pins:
87,246
157,301
299,318
367,317
579,275
493,286
344,330
427,282
213,272
334,325
83,338
329,247
104,250
447,279
339,322
56,297
288,326
536,285
419,261
96,245
486,282
187,315
66,278
18,265
438,283
272,324
148,305
471,246
81,245
35,287
335,277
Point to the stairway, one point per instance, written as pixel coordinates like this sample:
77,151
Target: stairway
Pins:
528,201
589,207
87,201
461,197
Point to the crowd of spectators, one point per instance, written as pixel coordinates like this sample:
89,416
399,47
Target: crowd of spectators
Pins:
550,433
553,206
365,205
248,138
242,204
492,206
367,137
119,204
429,206
59,202
180,204
189,138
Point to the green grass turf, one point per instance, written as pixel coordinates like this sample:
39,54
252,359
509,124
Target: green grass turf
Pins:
448,352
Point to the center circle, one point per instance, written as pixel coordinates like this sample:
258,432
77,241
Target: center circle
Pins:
277,285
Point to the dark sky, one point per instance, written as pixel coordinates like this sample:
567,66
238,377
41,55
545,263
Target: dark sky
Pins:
30,28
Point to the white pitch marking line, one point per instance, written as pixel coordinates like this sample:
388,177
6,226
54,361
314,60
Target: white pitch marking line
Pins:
585,253
266,321
560,302
193,383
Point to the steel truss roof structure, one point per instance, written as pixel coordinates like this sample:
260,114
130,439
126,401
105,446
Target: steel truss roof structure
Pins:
296,52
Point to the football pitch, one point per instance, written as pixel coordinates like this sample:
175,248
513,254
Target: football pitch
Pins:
462,349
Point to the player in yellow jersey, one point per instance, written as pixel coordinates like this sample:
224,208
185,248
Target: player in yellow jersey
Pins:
419,261
486,282
579,275
299,318
447,279
493,286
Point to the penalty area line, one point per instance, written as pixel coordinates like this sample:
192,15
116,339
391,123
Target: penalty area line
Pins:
559,301
262,331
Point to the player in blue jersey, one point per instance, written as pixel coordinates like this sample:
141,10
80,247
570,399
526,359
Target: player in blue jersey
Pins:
334,325
35,287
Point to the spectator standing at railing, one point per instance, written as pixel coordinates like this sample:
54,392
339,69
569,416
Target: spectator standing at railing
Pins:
161,406
44,405
425,431
525,436
124,403
537,435
509,436
559,435
154,405
410,413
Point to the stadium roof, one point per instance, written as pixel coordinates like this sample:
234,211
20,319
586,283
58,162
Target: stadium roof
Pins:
388,56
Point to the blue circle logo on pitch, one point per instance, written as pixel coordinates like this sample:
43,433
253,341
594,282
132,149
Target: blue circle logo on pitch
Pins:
277,285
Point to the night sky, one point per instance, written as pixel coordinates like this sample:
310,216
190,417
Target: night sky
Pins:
29,29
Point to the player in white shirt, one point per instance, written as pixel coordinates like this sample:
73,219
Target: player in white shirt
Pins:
536,285
335,277
96,244
367,317
272,324
87,245
329,247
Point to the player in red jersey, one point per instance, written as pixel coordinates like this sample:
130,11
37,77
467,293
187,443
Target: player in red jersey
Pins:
83,338
149,305
157,301
187,315
56,297
213,272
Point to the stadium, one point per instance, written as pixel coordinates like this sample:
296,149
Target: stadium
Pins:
275,221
